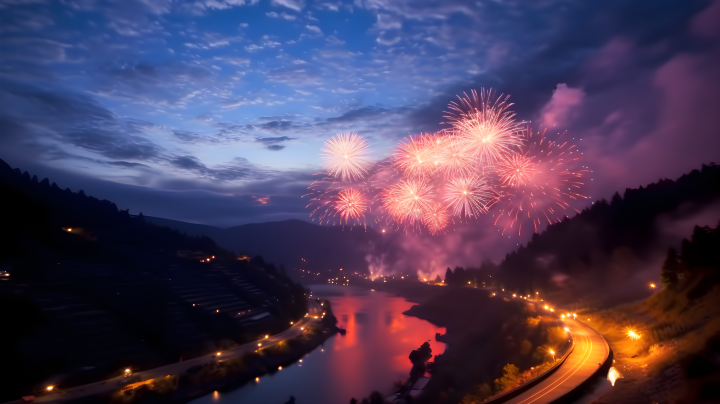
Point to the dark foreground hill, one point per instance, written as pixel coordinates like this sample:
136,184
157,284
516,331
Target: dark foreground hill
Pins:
86,290
293,243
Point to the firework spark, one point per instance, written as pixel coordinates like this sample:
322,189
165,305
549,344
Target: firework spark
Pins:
469,195
486,125
345,156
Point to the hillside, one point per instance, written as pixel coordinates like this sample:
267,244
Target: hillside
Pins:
676,357
323,248
593,255
88,290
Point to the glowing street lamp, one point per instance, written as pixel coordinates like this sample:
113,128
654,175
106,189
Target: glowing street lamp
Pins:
553,354
49,388
652,285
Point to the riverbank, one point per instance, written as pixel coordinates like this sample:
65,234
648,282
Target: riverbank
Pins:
188,380
492,342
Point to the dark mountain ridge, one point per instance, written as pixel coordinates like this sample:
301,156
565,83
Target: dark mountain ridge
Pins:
294,243
87,290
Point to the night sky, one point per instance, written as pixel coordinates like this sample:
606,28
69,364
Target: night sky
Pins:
214,111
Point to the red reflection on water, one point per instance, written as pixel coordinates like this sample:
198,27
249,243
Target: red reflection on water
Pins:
387,338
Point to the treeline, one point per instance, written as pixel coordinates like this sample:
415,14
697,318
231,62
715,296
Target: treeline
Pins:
574,244
700,255
37,216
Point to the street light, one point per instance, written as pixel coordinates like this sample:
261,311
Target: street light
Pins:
652,285
553,354
49,388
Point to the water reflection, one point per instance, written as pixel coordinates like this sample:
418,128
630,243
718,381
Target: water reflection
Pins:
371,356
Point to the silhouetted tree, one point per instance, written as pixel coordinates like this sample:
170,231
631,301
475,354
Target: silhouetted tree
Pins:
438,279
670,269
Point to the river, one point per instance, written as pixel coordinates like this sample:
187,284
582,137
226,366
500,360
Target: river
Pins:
371,356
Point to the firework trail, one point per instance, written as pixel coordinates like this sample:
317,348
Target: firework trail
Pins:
487,126
345,156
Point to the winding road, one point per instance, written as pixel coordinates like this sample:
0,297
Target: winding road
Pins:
315,312
591,351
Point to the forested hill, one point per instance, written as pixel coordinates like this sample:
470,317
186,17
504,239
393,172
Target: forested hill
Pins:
40,216
88,290
600,248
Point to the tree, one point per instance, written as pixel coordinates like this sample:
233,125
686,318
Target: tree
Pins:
508,379
670,269
438,279
448,276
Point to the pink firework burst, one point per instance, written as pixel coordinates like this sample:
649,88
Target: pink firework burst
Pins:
416,155
516,170
407,200
350,204
490,130
470,196
345,156
436,218
455,157
553,184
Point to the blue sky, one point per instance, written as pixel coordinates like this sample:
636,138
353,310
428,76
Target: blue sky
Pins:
194,109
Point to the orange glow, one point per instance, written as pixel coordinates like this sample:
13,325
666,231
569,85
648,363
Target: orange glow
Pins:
279,367
218,354
69,229
633,335
257,379
267,336
259,344
552,352
49,388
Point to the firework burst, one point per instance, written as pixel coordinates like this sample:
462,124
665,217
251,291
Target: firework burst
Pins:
487,126
487,159
470,196
416,156
408,200
436,218
345,156
516,170
545,186
350,204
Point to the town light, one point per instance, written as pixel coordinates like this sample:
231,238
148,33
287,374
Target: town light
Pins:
218,354
49,388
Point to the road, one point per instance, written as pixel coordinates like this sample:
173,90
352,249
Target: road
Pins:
590,353
314,315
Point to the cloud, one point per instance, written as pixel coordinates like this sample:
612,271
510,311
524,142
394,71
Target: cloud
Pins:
564,100
296,5
314,28
273,143
237,169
